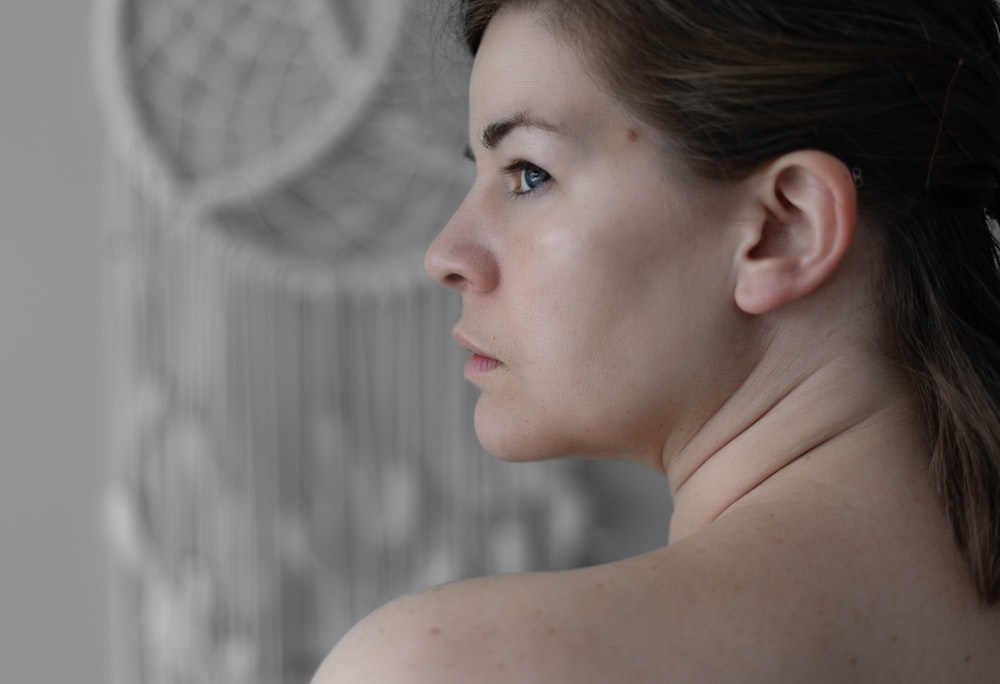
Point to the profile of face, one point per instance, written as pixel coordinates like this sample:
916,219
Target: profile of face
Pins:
596,282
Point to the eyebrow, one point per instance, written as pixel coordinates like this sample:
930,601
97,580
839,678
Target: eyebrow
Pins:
493,134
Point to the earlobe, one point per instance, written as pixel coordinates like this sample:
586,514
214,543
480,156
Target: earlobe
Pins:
805,223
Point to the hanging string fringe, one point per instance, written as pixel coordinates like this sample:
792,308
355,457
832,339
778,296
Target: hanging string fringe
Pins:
293,441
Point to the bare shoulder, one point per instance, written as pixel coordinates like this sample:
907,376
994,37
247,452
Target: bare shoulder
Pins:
512,628
662,617
750,601
446,634
581,626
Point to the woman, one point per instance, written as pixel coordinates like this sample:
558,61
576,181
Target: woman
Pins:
747,245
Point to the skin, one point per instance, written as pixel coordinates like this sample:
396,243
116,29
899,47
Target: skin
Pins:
722,336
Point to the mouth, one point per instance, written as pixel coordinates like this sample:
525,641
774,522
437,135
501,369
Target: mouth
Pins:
480,362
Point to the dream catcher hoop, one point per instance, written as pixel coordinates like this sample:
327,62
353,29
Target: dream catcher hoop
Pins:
163,64
292,439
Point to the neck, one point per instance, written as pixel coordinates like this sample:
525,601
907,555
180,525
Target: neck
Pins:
790,416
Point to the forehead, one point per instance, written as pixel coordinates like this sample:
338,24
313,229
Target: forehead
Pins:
523,67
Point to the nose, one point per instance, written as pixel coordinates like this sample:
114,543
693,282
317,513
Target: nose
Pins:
460,257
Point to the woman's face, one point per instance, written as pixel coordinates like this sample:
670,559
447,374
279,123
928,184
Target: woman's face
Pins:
596,284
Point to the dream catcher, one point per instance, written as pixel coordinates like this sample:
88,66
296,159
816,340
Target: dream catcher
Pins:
292,438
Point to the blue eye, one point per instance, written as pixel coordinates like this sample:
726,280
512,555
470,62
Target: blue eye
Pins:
526,177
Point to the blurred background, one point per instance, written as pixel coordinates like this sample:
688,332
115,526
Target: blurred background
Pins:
202,450
53,560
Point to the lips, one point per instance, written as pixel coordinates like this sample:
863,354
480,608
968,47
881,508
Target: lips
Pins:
480,362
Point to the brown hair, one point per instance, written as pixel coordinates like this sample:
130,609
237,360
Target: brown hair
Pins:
907,94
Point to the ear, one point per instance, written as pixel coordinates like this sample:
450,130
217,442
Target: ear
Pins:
807,216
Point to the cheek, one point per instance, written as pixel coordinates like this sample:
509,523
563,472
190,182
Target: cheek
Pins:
574,285
646,316
610,341
578,320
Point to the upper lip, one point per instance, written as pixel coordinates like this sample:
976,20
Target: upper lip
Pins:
466,344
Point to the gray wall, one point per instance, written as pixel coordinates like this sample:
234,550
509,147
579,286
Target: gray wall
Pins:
53,568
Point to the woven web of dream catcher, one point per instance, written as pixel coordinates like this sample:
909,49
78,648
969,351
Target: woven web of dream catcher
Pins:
292,436
280,118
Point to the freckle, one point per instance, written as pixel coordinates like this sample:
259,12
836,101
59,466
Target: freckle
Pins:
435,631
631,135
968,659
501,667
551,631
854,661
894,638
600,585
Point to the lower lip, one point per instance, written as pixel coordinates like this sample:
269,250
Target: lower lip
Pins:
478,365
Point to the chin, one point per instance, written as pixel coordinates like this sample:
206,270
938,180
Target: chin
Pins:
518,438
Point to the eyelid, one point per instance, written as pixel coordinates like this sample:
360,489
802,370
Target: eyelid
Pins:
519,166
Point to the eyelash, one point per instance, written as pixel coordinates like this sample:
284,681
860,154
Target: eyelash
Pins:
515,170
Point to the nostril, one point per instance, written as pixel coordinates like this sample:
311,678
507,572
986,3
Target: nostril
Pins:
453,280
461,261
